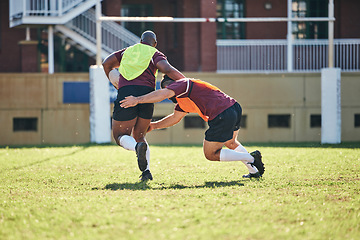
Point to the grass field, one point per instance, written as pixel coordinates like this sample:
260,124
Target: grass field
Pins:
308,191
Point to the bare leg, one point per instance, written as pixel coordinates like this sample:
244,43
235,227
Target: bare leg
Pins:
120,128
234,144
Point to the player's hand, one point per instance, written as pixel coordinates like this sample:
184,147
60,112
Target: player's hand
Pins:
129,101
151,127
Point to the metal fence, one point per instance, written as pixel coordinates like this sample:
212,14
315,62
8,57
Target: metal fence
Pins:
271,55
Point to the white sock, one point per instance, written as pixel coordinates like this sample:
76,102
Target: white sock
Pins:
233,155
147,157
251,169
127,142
240,148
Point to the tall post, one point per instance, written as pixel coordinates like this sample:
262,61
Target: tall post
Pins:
28,37
331,35
98,33
331,92
50,49
289,37
100,128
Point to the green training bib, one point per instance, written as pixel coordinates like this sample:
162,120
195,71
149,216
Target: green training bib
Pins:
135,60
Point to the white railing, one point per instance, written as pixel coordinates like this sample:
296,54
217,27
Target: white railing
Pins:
114,36
21,8
271,55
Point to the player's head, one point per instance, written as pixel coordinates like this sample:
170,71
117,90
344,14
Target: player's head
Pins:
166,81
149,37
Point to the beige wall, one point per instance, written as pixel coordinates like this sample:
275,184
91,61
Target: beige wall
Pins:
40,95
297,94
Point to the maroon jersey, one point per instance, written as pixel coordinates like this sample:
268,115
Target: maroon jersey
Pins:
147,78
210,101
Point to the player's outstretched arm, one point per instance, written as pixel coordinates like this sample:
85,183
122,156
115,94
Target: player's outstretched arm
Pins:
167,121
165,67
153,97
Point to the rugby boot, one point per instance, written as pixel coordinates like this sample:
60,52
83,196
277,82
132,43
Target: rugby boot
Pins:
145,176
252,175
258,162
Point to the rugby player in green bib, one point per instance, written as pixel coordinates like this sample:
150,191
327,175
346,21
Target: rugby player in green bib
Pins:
138,66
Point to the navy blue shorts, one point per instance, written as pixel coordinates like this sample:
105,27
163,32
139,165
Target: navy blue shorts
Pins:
144,110
222,127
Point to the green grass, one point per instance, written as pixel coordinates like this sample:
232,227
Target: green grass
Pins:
308,191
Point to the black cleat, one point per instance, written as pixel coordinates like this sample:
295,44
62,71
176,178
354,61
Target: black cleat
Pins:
252,175
140,149
258,162
146,175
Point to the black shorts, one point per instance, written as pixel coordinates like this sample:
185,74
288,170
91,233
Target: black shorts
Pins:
222,127
144,110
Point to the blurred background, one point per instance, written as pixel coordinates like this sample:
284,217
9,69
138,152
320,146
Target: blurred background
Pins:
47,47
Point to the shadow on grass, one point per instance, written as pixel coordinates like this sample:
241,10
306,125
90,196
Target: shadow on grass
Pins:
46,159
84,145
145,186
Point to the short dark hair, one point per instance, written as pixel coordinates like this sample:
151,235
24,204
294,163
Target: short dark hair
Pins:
149,37
166,81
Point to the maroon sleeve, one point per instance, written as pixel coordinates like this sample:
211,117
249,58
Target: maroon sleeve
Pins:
158,56
180,87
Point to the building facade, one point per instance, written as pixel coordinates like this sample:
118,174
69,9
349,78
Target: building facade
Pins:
189,46
246,60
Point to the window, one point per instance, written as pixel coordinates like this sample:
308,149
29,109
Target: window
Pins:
315,121
137,10
243,122
194,122
279,121
24,124
357,120
309,8
230,9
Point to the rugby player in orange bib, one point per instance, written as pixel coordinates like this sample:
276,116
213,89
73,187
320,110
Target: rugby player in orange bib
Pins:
220,111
